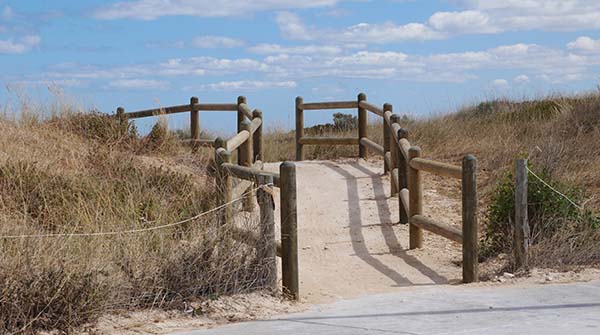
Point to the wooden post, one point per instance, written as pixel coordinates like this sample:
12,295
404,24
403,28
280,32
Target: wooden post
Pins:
402,175
289,230
268,245
299,128
223,182
257,141
362,127
394,152
469,217
415,189
521,229
386,137
240,118
121,114
245,159
194,119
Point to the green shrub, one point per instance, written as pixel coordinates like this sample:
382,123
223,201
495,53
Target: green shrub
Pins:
548,212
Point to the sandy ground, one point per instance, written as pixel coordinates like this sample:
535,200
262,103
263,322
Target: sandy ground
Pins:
351,245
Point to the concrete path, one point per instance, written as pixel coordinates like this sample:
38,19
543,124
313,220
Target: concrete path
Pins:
545,309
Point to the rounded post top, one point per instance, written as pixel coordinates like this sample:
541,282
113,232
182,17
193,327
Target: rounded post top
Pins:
120,110
299,99
395,118
362,96
245,125
402,133
287,165
469,158
414,151
387,107
241,99
257,113
220,143
193,100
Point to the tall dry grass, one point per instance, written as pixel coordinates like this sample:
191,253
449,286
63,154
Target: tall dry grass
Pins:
73,172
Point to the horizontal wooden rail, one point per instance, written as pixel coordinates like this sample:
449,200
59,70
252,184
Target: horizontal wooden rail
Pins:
179,109
329,105
395,178
248,173
404,198
241,188
448,232
246,110
371,108
372,145
255,124
328,140
237,140
439,168
387,157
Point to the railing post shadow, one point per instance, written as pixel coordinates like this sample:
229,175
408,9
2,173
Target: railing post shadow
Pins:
289,230
415,189
469,217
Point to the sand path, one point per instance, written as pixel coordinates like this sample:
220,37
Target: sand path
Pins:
350,242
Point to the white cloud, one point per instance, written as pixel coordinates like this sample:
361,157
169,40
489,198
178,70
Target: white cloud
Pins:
21,45
585,43
210,41
292,27
521,79
499,83
247,85
298,50
139,84
470,21
152,9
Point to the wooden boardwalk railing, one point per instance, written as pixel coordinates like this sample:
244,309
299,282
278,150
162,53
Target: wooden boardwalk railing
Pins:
404,164
248,142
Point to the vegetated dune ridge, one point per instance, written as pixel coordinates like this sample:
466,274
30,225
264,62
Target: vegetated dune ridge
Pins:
71,155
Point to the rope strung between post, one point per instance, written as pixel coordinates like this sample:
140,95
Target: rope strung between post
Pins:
139,230
580,207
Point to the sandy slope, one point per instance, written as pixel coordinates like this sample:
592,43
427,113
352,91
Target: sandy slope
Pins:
350,241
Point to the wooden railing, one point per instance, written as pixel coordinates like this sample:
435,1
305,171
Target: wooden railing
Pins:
248,170
404,164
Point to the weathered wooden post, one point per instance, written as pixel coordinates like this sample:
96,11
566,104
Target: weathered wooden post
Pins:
289,230
121,114
386,136
469,216
240,118
223,181
362,126
257,139
268,245
194,119
394,151
402,174
245,159
415,189
521,230
299,128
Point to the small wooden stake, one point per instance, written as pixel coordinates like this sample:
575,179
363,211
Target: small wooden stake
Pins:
268,254
521,229
289,230
257,141
299,128
415,189
469,217
402,175
362,126
386,136
194,119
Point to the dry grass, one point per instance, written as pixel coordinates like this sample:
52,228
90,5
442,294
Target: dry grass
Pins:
79,173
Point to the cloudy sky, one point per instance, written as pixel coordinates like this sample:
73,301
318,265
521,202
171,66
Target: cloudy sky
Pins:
423,56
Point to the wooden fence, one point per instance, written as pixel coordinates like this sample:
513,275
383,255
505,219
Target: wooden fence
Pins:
248,142
404,164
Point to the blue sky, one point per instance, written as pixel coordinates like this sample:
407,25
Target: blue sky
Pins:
425,57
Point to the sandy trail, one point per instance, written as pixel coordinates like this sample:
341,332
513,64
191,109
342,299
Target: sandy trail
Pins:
350,242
